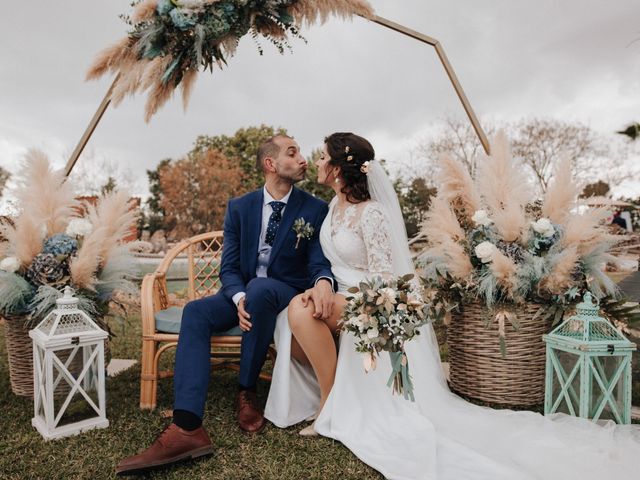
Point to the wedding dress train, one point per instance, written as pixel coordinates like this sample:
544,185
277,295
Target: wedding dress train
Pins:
439,436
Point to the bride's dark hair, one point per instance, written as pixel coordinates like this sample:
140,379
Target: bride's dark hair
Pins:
349,152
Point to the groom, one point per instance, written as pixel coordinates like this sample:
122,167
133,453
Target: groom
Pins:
264,265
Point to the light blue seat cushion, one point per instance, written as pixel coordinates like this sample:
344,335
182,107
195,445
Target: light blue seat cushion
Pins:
168,321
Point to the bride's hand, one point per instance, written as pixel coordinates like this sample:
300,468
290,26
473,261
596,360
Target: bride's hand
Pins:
322,297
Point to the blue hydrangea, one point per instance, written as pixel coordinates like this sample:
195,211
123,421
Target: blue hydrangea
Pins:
60,244
165,6
180,20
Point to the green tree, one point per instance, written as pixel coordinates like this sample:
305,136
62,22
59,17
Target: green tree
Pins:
109,186
632,131
414,199
240,148
153,215
597,189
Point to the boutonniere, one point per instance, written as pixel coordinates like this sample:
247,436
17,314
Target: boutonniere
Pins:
302,229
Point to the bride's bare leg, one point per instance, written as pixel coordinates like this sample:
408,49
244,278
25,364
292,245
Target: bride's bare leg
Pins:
298,353
316,338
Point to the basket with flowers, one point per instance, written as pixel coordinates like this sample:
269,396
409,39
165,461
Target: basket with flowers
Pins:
504,266
54,241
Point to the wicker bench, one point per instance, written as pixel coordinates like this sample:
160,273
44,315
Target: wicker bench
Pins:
161,319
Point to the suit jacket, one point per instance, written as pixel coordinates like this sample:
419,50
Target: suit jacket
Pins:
298,267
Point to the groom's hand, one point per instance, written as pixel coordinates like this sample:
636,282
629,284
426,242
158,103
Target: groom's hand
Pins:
322,296
243,316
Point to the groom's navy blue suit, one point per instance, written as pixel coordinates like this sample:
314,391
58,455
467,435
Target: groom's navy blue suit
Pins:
290,270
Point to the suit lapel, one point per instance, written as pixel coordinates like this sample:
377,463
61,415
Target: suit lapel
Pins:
286,224
254,228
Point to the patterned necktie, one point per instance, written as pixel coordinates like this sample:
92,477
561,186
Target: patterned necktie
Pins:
274,221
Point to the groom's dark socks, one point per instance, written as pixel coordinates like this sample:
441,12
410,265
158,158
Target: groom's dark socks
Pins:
186,420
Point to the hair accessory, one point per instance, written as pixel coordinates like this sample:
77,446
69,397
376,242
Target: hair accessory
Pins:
346,149
365,167
349,158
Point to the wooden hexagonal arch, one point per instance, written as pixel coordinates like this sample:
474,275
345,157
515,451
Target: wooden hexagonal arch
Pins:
375,19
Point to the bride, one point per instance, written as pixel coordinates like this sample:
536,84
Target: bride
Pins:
439,436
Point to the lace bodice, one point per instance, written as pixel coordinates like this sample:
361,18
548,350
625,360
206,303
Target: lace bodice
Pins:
361,237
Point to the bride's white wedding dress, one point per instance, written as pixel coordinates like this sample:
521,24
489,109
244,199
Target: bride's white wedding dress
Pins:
440,436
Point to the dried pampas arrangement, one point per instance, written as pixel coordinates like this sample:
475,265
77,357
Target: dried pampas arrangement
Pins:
170,41
507,248
48,245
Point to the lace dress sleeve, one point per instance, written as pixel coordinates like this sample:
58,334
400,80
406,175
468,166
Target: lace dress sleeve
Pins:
375,232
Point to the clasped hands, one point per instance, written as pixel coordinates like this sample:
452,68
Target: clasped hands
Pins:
321,295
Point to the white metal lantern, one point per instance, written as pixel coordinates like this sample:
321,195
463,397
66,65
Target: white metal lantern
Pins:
68,371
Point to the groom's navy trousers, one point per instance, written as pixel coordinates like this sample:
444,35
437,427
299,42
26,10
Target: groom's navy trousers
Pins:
265,298
294,265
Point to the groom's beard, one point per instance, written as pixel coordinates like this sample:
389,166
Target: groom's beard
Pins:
293,177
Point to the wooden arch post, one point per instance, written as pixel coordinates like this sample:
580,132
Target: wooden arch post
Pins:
375,19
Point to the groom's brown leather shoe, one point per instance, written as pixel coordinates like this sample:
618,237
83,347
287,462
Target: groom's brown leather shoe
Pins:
173,445
250,417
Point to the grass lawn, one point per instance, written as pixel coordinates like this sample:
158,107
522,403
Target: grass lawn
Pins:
273,454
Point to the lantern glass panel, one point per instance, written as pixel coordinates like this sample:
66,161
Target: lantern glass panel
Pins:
607,393
75,360
569,371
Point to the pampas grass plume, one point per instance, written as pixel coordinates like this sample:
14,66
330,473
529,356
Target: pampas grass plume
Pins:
455,183
504,270
564,263
584,230
561,195
109,59
308,11
188,81
144,10
441,223
455,259
504,188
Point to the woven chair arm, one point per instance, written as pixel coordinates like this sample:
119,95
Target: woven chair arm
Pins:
153,298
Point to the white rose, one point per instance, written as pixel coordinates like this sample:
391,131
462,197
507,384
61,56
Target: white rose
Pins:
481,218
544,227
79,227
372,333
484,251
10,264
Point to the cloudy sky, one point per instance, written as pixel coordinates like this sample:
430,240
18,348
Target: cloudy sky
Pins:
575,60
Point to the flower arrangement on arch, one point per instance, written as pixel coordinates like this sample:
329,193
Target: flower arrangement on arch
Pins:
50,244
170,40
490,240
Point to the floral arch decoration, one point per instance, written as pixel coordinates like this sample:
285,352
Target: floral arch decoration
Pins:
171,40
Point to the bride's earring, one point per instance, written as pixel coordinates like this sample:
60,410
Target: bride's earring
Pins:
337,180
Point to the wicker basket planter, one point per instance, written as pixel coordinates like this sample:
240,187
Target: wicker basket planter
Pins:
478,369
20,353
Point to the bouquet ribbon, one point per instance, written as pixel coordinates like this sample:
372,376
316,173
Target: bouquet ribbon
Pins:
400,380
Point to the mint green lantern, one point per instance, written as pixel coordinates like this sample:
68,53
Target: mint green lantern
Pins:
588,371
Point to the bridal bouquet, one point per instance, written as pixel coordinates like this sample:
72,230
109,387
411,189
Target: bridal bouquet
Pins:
54,241
383,316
